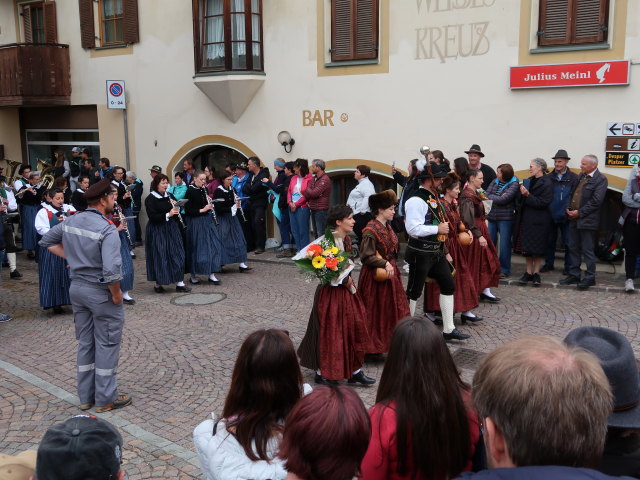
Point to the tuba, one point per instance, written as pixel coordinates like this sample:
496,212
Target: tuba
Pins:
424,150
46,177
12,171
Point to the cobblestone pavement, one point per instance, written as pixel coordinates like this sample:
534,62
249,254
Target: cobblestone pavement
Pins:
176,360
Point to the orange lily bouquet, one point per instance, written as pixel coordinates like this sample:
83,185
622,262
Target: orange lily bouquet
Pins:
322,260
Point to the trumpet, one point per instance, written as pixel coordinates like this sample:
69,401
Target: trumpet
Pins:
118,211
174,204
213,210
238,202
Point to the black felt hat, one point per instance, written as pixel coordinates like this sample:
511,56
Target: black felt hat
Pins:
561,154
475,149
616,357
437,171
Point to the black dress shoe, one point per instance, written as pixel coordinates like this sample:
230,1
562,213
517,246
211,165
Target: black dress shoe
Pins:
373,357
525,278
569,280
133,256
323,381
536,280
183,288
586,283
489,299
565,271
431,317
15,274
31,255
547,268
244,269
159,289
58,310
128,301
215,282
361,378
455,334
467,318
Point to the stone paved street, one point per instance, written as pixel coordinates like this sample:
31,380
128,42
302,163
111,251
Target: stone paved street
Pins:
177,359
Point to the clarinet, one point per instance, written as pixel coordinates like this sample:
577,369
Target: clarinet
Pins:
120,214
239,203
213,210
174,205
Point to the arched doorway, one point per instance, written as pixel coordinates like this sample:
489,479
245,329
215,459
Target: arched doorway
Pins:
341,174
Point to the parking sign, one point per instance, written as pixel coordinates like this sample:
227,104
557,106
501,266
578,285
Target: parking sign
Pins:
116,94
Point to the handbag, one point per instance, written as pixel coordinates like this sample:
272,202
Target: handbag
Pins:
380,275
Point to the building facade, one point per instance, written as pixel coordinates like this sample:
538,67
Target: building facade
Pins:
353,81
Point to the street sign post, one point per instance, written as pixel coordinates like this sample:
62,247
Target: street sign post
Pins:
623,144
117,99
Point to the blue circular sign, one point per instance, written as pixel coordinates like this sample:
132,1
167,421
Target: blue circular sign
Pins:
115,89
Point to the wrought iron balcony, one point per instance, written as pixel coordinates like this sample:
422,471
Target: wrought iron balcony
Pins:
34,74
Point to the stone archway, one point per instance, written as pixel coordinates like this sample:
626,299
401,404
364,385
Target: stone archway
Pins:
193,147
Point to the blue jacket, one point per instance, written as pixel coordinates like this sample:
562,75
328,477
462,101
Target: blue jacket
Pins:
561,194
504,201
551,472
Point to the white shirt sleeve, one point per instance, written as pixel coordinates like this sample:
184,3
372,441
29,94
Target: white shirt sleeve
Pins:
42,221
17,185
67,169
416,210
13,205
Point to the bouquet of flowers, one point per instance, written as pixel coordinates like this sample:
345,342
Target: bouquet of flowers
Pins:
322,260
485,201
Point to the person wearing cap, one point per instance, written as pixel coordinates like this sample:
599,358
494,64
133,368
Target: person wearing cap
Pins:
74,167
583,213
615,354
155,170
238,182
475,154
563,181
91,245
82,447
427,227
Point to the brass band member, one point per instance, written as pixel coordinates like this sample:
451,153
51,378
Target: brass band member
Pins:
203,237
125,205
77,197
30,197
234,246
163,242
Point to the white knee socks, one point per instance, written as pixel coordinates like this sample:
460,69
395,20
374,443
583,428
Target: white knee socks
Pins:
446,307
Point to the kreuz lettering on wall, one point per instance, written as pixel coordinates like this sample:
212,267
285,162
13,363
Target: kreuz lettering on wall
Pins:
452,41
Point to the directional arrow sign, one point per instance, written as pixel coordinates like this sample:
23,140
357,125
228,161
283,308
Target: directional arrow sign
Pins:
614,129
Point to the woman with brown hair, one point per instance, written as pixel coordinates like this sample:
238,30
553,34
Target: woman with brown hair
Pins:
265,385
385,301
298,206
326,435
422,425
61,165
465,297
336,338
481,256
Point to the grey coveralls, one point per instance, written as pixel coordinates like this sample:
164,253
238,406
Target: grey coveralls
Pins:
92,248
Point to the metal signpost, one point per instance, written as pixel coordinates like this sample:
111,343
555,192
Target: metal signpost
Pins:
117,99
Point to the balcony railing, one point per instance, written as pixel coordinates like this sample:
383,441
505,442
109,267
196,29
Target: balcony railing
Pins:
34,74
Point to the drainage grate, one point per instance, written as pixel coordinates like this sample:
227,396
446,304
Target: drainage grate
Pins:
198,299
467,358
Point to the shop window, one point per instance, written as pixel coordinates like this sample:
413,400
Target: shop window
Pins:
42,143
39,22
354,30
573,22
228,35
117,19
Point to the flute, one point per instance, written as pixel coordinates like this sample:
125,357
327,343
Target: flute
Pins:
238,202
121,217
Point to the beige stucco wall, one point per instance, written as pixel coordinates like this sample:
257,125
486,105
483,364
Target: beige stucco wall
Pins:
10,134
441,88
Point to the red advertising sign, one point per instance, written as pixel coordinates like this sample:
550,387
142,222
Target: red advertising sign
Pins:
592,74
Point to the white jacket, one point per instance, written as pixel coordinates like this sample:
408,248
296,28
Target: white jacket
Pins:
359,197
223,458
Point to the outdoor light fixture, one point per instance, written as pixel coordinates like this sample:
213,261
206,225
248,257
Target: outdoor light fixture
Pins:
284,139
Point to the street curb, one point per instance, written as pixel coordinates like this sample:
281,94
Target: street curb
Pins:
503,283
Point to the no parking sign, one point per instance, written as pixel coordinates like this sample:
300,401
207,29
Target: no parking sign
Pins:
116,94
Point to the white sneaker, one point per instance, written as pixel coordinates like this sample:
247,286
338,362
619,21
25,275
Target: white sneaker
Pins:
628,285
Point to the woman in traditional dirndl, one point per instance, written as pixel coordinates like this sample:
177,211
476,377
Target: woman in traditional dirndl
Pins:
163,243
465,297
234,246
204,249
52,269
481,256
126,243
336,338
385,301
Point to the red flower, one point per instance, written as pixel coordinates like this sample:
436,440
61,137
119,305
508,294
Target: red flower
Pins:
314,250
332,263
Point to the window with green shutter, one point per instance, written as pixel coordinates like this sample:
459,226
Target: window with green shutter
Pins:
354,30
573,22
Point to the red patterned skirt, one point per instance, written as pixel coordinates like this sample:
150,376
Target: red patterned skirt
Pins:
336,338
483,261
385,303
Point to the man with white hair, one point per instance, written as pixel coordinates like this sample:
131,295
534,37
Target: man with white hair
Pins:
583,214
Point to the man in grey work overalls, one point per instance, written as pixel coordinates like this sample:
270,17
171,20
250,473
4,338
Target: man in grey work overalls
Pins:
91,245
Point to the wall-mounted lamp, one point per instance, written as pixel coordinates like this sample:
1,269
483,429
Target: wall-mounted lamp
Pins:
284,139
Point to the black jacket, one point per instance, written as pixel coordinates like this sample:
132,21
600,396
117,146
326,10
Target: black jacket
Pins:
591,201
255,189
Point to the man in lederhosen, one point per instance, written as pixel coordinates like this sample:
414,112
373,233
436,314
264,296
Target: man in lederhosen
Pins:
91,245
426,254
